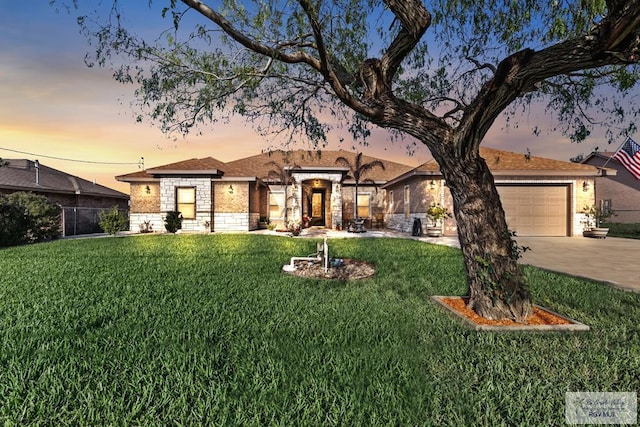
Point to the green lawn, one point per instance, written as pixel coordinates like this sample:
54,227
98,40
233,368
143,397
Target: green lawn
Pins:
206,330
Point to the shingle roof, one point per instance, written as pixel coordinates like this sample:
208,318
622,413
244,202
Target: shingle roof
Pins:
258,166
20,175
504,163
507,161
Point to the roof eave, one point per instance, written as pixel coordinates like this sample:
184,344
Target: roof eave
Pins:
184,172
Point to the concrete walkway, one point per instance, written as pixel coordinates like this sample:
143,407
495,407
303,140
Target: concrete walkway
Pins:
613,261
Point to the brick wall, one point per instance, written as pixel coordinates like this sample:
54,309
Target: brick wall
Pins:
145,197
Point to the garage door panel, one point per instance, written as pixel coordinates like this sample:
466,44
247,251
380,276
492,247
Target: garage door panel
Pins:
535,210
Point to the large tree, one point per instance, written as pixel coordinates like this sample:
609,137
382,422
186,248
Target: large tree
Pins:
441,71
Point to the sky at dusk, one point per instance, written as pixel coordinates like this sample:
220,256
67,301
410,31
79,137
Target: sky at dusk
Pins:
52,104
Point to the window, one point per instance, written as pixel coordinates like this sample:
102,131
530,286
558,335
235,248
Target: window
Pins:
364,205
390,203
276,204
186,202
407,202
605,206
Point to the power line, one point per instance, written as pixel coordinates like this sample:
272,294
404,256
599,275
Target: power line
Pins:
140,163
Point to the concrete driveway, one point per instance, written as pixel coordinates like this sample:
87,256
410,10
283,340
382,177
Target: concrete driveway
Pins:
611,260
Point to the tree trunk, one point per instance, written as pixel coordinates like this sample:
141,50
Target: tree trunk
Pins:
496,286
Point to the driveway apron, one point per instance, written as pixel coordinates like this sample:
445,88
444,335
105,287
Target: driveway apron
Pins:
611,260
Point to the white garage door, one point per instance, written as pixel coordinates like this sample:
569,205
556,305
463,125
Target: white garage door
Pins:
536,210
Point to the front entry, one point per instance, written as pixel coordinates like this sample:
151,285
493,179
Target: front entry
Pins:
317,207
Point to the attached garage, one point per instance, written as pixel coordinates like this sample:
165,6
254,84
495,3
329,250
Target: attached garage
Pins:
536,210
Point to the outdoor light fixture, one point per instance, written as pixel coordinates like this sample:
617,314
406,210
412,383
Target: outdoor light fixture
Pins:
585,186
433,184
230,189
147,189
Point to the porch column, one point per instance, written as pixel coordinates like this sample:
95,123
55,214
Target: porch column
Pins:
336,204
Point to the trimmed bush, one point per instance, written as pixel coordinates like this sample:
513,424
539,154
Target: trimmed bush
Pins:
43,217
173,221
13,224
112,221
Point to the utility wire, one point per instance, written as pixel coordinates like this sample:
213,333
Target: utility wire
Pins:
140,163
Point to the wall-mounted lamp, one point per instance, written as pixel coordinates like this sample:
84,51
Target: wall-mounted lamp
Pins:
585,186
230,190
147,189
433,184
316,183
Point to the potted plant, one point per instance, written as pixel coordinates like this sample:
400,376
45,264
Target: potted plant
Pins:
436,214
594,217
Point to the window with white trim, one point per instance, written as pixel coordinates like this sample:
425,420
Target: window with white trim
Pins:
390,203
364,205
186,202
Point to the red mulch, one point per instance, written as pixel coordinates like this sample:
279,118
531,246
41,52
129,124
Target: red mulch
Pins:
539,316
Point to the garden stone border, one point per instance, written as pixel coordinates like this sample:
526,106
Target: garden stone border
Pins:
574,325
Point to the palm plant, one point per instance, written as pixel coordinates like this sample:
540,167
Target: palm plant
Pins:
357,170
283,175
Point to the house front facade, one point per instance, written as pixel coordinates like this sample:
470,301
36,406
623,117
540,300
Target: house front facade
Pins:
541,197
235,196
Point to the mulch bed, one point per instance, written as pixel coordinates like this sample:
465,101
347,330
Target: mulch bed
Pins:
539,316
352,269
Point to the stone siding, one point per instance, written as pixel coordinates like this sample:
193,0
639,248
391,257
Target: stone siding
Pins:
168,187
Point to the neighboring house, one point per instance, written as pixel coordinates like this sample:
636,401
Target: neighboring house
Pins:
80,199
619,191
217,196
541,197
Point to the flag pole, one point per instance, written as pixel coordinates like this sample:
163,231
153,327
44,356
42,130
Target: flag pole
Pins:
614,153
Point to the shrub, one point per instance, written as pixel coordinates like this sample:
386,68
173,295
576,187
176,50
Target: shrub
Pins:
173,221
112,221
13,224
43,217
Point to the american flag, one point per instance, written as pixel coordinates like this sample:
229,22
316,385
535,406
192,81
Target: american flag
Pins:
629,156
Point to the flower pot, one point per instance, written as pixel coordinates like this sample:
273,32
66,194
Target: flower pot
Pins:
596,232
434,231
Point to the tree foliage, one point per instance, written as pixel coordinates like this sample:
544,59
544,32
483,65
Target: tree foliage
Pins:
28,218
284,65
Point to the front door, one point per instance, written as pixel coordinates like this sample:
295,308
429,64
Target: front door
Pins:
317,207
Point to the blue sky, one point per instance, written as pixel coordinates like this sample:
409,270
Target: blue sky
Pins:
51,104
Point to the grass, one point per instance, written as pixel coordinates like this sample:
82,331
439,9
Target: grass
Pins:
628,231
206,330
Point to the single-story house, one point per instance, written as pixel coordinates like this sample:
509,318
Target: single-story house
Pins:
542,197
81,200
619,191
235,196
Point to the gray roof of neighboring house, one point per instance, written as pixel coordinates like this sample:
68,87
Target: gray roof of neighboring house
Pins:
20,175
